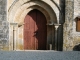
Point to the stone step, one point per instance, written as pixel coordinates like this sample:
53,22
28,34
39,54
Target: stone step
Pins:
39,55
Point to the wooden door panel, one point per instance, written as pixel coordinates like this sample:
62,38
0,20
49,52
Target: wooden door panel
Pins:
42,29
29,26
32,29
35,31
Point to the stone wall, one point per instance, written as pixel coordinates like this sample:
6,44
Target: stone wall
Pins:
76,35
76,8
68,38
71,36
3,26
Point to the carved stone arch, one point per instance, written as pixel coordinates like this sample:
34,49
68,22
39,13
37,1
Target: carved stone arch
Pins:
54,5
19,3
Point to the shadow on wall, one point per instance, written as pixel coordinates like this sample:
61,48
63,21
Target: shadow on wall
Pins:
76,48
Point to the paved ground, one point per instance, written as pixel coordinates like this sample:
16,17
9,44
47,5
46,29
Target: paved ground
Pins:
39,55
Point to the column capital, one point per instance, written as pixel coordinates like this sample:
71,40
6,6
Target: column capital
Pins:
57,25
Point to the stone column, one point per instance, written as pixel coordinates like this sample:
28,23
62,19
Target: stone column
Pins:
13,36
56,36
15,28
68,39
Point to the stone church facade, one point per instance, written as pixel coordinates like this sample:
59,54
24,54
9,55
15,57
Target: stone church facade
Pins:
62,30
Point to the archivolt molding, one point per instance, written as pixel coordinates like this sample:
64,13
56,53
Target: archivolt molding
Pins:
23,7
49,15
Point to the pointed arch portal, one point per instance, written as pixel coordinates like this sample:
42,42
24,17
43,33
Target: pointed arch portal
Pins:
32,29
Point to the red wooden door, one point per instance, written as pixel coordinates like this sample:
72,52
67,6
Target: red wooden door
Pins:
35,31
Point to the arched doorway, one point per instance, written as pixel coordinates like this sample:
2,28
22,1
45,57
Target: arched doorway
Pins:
35,31
22,10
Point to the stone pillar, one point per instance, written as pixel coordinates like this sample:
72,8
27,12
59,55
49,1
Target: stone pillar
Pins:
56,36
68,39
56,39
13,36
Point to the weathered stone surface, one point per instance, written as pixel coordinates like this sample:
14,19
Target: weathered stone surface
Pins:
68,38
76,8
3,25
76,35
